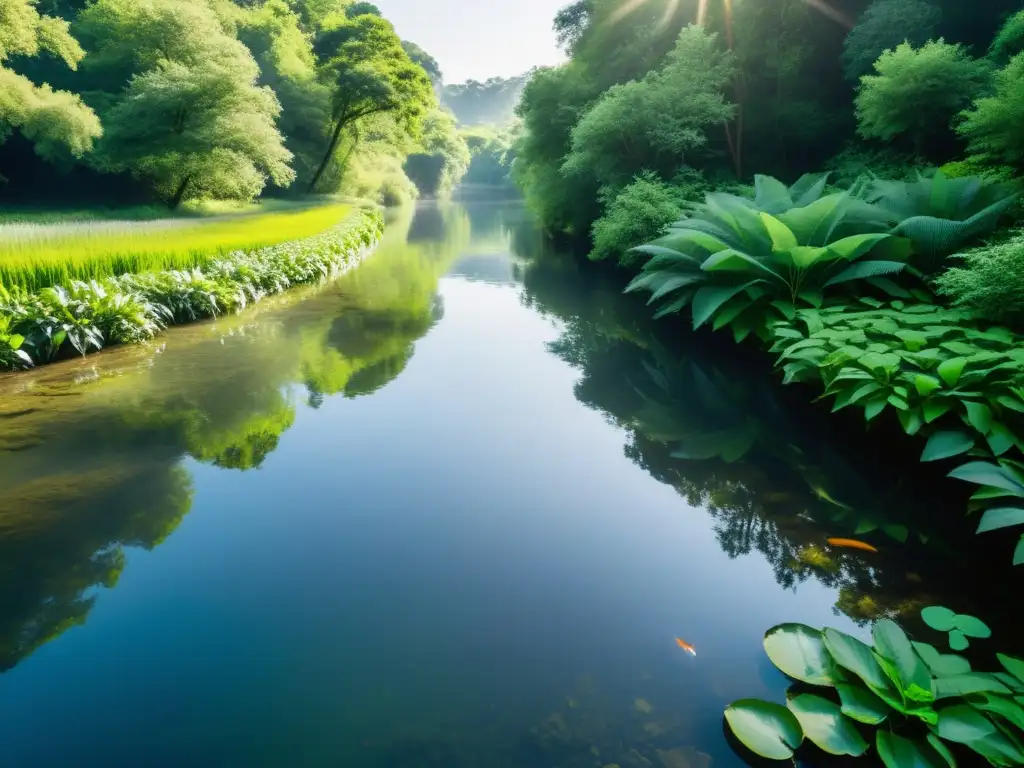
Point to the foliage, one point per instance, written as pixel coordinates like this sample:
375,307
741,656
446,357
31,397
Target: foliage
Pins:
883,26
991,126
38,256
640,212
58,123
857,162
1009,41
492,102
920,702
656,123
426,61
444,158
999,484
491,156
916,92
742,267
88,316
940,214
960,626
991,281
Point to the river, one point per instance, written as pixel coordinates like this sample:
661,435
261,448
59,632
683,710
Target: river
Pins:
428,515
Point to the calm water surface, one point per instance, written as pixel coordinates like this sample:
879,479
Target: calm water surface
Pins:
428,515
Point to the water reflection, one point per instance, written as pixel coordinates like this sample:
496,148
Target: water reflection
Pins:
90,463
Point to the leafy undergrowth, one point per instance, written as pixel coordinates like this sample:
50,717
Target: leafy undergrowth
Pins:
36,256
82,317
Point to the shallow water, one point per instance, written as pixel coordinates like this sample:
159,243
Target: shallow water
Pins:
428,515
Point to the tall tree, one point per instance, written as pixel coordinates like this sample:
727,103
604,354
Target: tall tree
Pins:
55,121
884,25
362,62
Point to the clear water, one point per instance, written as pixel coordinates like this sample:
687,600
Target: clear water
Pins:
428,515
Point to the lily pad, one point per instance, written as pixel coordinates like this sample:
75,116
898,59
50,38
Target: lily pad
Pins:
939,617
766,729
958,640
823,723
973,627
892,644
857,657
860,704
799,652
898,752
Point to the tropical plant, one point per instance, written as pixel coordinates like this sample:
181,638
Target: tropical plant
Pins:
939,214
744,268
991,281
1000,484
921,704
960,626
774,197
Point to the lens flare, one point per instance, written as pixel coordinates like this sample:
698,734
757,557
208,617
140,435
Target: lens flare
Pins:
827,10
702,12
624,10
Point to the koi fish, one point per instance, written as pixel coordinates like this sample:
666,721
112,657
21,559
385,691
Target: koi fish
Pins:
686,646
852,544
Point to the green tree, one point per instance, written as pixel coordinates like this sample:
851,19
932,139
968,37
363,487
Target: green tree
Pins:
658,122
992,127
444,158
425,60
917,92
884,25
54,121
1009,41
368,73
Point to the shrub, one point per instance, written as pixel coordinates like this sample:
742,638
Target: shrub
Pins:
640,212
884,25
992,126
991,282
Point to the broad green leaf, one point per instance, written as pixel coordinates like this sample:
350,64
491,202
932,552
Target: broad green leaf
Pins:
951,369
856,657
1018,553
707,300
1012,665
860,704
1001,439
853,247
958,640
942,445
1004,707
911,421
1010,681
898,752
938,617
942,665
766,729
962,724
1000,517
823,723
872,409
782,236
892,644
941,749
804,256
979,416
962,685
933,409
982,473
798,651
866,269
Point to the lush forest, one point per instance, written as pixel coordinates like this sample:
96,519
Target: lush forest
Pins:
492,102
176,100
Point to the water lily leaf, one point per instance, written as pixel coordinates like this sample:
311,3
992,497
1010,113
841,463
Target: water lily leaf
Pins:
973,627
858,703
766,729
1014,666
823,723
892,644
948,443
856,657
963,685
898,752
938,617
799,652
1011,710
958,640
1000,517
950,370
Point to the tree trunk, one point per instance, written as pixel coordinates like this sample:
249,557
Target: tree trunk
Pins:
179,194
327,155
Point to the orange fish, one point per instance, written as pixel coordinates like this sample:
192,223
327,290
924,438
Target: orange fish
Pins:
686,646
852,544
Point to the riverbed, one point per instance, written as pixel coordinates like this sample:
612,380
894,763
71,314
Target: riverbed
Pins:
429,515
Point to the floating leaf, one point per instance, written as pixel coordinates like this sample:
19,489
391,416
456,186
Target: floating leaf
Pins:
964,685
1000,517
892,643
973,627
799,652
857,657
938,617
861,705
823,723
898,752
942,445
958,640
766,729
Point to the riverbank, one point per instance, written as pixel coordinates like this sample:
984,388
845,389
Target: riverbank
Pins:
81,317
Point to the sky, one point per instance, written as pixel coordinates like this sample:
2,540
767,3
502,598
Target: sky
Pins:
478,39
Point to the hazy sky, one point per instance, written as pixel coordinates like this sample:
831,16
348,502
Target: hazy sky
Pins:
479,38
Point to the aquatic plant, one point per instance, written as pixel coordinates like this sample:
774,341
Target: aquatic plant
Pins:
85,317
39,256
960,626
916,705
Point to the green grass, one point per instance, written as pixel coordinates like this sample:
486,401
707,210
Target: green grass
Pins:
35,256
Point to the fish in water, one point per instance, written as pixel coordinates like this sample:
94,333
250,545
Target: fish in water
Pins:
852,544
686,646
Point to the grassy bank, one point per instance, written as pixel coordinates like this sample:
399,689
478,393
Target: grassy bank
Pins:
38,255
77,317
